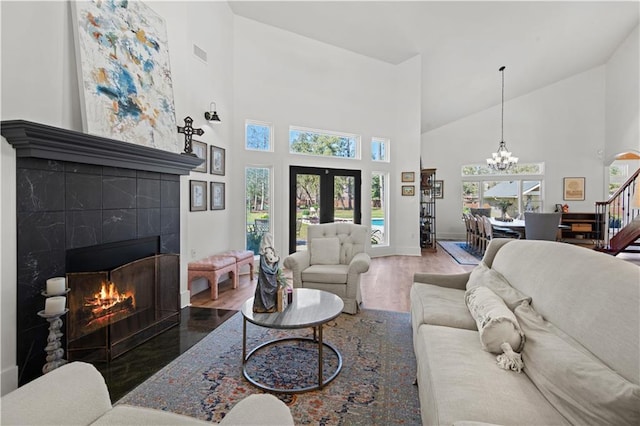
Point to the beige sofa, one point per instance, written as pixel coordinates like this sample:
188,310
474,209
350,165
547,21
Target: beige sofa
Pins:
76,394
579,312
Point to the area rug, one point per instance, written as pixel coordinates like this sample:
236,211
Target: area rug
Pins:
459,250
375,385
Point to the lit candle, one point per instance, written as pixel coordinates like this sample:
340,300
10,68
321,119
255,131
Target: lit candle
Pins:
54,305
56,286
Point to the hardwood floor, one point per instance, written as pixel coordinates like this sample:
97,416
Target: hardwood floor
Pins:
385,286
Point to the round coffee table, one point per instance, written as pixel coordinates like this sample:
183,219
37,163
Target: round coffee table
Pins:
310,308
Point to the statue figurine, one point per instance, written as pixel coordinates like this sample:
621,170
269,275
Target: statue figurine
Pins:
270,277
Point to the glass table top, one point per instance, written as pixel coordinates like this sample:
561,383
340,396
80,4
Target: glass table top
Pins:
309,308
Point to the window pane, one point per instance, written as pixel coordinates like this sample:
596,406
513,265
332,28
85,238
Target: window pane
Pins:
258,136
470,196
519,169
257,189
307,206
319,143
379,148
531,196
379,235
502,197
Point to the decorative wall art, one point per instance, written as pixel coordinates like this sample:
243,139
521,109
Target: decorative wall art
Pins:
217,160
573,189
126,92
197,195
408,176
408,190
217,196
200,150
438,189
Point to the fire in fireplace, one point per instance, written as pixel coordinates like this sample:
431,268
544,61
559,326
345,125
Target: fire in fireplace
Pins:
108,305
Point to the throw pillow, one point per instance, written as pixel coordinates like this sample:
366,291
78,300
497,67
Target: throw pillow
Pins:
482,275
496,323
325,251
580,386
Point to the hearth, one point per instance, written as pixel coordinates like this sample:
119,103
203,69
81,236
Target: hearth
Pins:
114,310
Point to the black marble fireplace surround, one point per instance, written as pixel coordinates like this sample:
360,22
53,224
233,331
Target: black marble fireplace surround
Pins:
76,190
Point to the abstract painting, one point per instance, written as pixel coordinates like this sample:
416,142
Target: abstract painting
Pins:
126,90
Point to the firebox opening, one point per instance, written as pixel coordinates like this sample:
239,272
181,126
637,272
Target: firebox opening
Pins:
114,309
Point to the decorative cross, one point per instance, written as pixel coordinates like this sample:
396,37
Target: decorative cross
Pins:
189,131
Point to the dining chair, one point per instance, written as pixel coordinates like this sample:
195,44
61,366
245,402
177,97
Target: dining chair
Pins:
482,235
541,226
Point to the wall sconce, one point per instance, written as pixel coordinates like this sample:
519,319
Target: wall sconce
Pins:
212,114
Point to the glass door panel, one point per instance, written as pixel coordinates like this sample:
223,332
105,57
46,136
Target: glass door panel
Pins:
319,195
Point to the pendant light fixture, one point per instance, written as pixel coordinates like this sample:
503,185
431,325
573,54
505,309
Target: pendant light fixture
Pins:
502,159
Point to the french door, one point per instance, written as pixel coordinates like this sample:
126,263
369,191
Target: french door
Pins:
321,195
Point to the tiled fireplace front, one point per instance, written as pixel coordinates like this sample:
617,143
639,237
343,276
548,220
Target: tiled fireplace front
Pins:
109,191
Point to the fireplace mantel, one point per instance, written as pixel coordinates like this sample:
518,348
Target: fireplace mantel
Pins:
41,141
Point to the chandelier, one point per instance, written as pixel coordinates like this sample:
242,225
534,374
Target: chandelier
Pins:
502,159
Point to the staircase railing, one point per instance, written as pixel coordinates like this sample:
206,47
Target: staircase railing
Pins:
619,210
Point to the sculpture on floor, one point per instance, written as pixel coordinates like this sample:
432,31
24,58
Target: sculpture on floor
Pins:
270,277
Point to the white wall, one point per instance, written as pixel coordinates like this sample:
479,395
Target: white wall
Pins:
39,83
622,98
561,125
285,79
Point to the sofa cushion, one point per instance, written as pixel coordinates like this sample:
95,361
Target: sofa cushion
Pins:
457,380
482,275
579,385
432,304
325,251
495,321
331,274
593,297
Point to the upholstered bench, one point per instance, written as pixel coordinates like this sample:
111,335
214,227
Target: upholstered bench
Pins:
212,268
243,257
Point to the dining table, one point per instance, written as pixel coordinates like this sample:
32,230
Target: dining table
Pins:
516,225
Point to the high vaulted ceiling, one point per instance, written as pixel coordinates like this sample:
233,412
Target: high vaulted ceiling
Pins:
463,43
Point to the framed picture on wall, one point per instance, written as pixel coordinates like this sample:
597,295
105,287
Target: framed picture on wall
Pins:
217,195
573,189
217,160
197,195
408,190
408,176
438,189
200,150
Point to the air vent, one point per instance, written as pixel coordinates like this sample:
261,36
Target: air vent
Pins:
199,52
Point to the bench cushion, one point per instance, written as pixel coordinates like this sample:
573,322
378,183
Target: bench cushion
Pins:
212,263
239,254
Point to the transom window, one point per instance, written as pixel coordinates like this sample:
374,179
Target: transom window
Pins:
258,135
380,149
323,143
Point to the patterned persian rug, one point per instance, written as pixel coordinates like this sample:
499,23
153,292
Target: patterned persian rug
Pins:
460,252
375,385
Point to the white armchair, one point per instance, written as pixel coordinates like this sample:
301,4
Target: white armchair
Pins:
333,261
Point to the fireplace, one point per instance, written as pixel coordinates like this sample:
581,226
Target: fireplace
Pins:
114,310
75,191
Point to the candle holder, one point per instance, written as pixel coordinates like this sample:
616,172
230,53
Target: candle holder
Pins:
54,349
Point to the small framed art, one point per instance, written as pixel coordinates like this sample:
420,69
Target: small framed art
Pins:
438,189
217,195
197,195
200,150
217,160
408,190
408,176
573,189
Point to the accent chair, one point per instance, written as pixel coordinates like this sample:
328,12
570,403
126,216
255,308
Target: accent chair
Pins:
333,261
